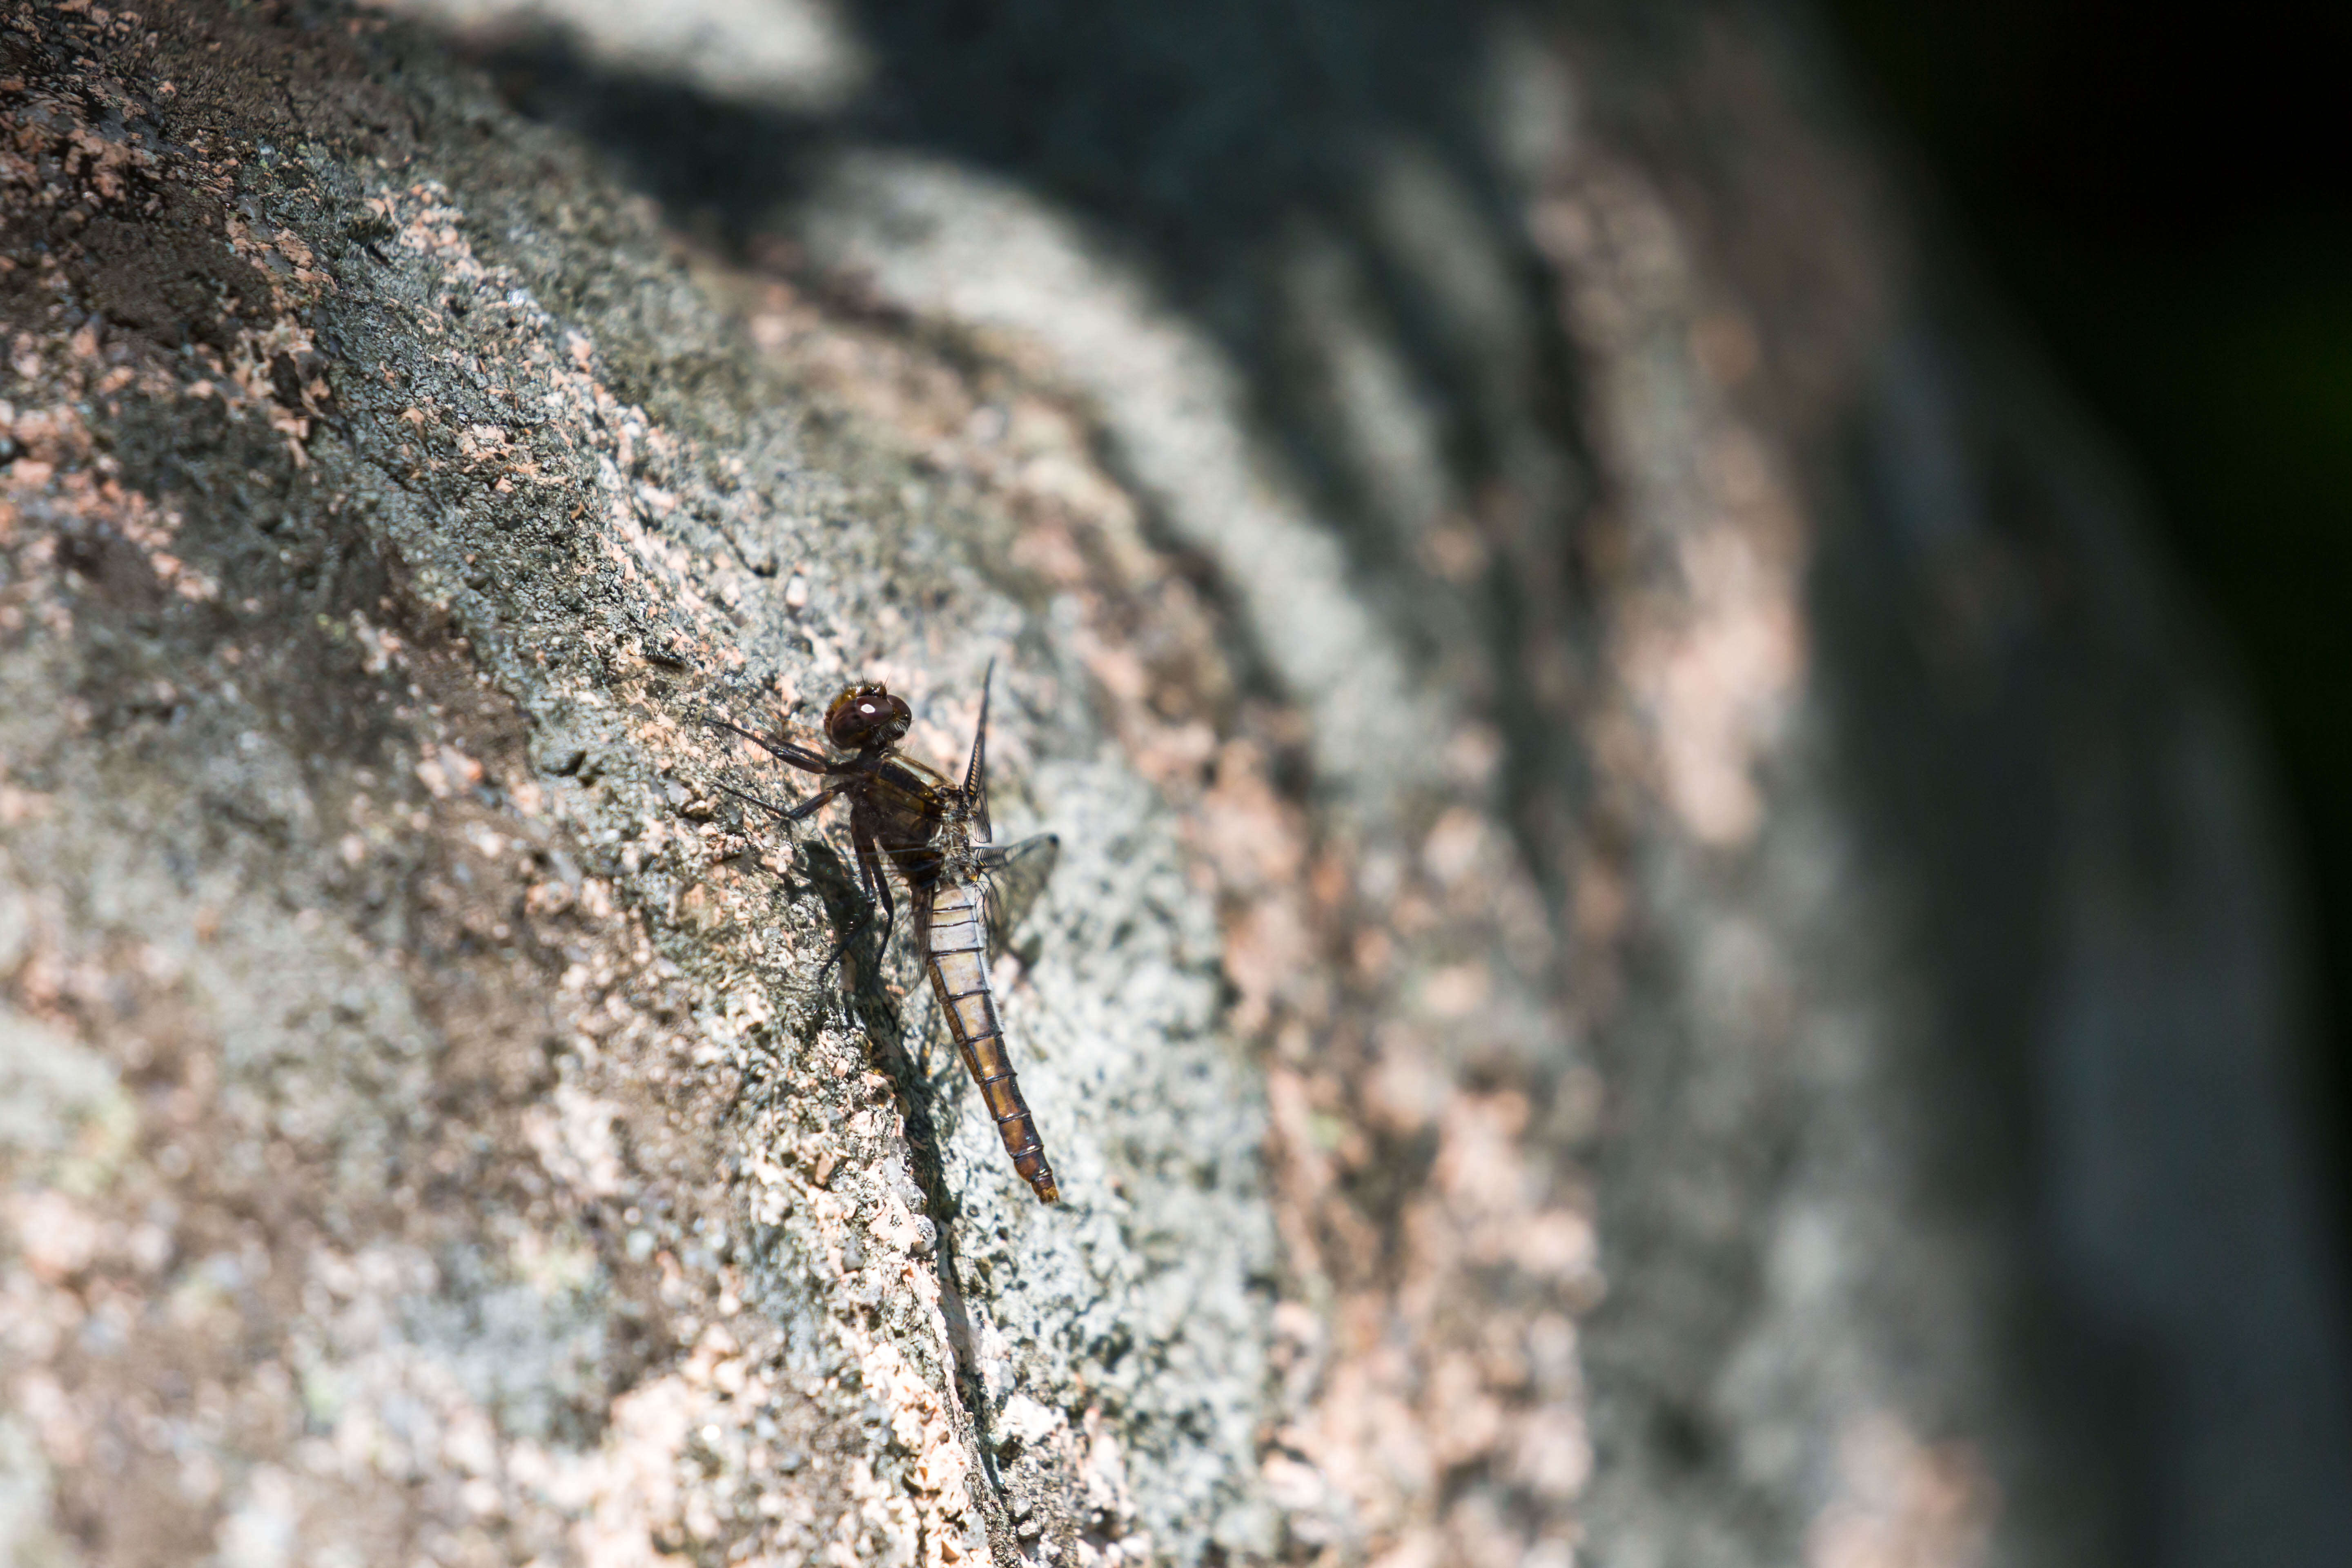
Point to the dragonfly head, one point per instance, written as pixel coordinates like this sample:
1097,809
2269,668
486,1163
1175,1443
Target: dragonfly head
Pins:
866,716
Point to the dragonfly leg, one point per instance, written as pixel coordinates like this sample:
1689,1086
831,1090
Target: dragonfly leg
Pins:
782,751
814,804
877,886
781,813
869,862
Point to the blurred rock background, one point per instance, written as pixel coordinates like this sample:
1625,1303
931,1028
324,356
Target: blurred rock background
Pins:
1679,944
2187,271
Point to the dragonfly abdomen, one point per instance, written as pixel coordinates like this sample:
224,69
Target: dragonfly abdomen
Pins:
958,961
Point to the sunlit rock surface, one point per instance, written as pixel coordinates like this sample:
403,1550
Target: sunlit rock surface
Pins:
1664,950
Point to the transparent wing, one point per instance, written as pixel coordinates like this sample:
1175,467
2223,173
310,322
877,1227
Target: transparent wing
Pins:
975,777
1017,874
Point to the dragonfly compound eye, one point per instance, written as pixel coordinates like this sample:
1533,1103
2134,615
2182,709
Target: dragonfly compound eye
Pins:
864,716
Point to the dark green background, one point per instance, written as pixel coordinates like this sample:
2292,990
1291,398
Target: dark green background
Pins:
2167,201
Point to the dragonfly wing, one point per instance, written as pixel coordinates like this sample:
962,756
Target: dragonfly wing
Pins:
975,777
1018,875
921,899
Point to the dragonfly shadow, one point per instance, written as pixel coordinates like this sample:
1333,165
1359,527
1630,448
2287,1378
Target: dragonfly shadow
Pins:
850,912
862,975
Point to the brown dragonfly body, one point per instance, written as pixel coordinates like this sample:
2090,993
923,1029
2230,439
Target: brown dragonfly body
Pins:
935,834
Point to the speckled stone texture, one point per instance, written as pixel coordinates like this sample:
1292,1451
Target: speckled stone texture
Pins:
1666,951
428,1137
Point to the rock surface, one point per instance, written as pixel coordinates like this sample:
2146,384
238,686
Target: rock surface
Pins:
1665,949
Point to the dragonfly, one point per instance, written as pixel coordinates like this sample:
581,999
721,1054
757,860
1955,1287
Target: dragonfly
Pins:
966,891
